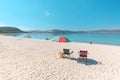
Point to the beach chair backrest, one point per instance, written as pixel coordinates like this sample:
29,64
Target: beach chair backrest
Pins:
83,52
66,51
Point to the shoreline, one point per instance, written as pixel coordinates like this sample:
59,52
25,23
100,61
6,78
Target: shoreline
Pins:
72,41
114,42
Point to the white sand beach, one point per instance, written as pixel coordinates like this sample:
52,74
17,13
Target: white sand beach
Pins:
34,59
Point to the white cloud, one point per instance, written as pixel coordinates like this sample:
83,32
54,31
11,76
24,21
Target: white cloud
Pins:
47,13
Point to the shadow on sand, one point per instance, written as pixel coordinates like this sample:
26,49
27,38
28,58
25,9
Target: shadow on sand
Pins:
83,61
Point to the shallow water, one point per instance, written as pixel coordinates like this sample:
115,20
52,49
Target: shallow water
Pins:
111,39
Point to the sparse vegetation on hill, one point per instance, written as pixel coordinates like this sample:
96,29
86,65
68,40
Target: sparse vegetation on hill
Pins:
10,30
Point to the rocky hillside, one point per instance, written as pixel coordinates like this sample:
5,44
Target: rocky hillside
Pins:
10,30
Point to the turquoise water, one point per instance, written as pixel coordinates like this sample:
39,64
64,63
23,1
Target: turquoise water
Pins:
111,39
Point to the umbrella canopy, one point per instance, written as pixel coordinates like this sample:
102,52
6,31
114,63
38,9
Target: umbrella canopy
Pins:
60,39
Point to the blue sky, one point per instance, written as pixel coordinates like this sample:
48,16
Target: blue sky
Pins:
60,14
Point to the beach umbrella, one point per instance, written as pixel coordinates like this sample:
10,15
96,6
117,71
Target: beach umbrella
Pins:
60,39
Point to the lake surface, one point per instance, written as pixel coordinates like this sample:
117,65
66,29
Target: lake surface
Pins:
111,39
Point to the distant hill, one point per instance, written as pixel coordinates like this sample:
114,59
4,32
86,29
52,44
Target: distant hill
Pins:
105,31
56,31
7,29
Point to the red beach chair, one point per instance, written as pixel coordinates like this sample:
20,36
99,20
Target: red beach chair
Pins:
83,53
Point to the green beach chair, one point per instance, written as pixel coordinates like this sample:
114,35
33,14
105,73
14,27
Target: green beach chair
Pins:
67,52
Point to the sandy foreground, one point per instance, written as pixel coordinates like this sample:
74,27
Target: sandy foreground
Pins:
34,59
